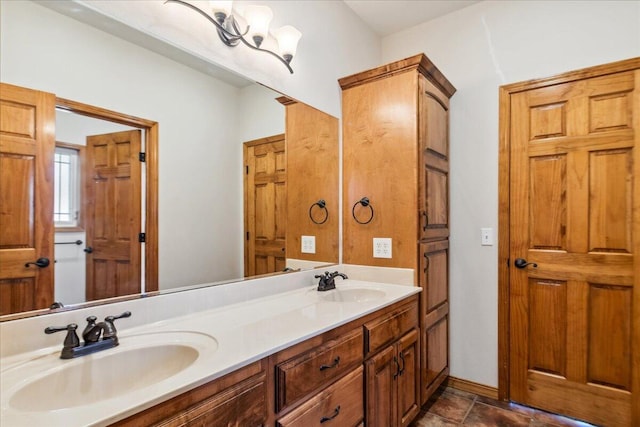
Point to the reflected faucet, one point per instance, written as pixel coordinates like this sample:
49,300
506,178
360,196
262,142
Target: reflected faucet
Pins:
327,280
91,335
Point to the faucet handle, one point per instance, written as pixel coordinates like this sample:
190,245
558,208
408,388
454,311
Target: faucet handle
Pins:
109,330
91,323
71,340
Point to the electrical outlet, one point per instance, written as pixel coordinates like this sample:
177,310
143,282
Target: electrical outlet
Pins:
486,236
382,247
308,244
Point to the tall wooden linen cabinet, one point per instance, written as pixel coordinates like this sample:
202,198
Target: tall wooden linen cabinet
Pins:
396,154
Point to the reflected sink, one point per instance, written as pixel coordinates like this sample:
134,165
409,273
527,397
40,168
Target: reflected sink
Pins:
351,295
140,361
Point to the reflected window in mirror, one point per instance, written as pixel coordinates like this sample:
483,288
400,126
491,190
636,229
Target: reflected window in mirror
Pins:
67,187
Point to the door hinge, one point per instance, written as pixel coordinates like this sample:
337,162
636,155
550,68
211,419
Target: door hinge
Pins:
142,157
247,169
142,237
247,235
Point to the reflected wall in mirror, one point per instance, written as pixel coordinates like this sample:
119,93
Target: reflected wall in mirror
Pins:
203,122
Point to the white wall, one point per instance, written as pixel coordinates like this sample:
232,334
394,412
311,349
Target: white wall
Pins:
259,114
480,48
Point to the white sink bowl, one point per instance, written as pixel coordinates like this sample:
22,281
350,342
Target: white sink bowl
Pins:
49,383
351,295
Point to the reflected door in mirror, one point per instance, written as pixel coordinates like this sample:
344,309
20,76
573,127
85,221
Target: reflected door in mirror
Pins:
265,205
113,214
27,144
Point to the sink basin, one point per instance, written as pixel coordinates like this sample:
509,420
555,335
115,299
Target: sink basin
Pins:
140,361
351,295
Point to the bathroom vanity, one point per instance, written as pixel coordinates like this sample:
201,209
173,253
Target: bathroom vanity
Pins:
295,357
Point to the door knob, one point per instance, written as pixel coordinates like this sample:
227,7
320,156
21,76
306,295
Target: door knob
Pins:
522,263
88,249
40,262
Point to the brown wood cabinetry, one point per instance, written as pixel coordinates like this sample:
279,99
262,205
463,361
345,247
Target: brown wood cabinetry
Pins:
320,381
396,153
237,399
340,404
301,375
392,384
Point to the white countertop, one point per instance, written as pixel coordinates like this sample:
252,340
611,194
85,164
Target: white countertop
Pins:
230,337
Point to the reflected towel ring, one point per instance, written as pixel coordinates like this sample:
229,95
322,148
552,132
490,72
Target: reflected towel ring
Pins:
364,202
322,205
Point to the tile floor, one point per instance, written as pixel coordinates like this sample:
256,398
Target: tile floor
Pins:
450,407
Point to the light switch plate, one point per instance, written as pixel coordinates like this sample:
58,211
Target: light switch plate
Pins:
382,247
308,244
486,236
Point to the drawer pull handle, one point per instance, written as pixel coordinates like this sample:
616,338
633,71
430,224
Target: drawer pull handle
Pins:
333,365
336,412
403,364
398,372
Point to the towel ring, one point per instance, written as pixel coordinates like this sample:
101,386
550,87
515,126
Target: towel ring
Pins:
364,202
322,205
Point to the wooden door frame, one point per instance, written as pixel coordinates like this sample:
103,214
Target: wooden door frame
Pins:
504,224
151,149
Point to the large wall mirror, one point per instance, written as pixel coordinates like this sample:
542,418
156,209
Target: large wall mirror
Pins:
247,178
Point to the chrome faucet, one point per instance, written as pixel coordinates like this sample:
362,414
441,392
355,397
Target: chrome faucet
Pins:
327,280
91,334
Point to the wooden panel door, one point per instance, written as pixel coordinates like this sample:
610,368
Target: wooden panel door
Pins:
27,144
113,214
265,198
434,143
575,200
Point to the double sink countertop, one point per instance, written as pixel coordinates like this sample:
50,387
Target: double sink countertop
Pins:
157,361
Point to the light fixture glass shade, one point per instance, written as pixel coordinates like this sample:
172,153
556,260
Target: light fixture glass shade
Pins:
221,6
288,38
258,19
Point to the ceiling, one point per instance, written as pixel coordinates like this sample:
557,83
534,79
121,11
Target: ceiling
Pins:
386,17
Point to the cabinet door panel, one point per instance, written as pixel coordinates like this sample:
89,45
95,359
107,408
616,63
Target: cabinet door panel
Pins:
434,275
436,346
409,378
380,389
434,147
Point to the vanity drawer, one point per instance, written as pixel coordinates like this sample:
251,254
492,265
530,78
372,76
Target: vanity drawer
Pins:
312,370
342,405
389,327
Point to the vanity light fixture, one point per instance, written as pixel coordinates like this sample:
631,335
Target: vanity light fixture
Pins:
257,19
